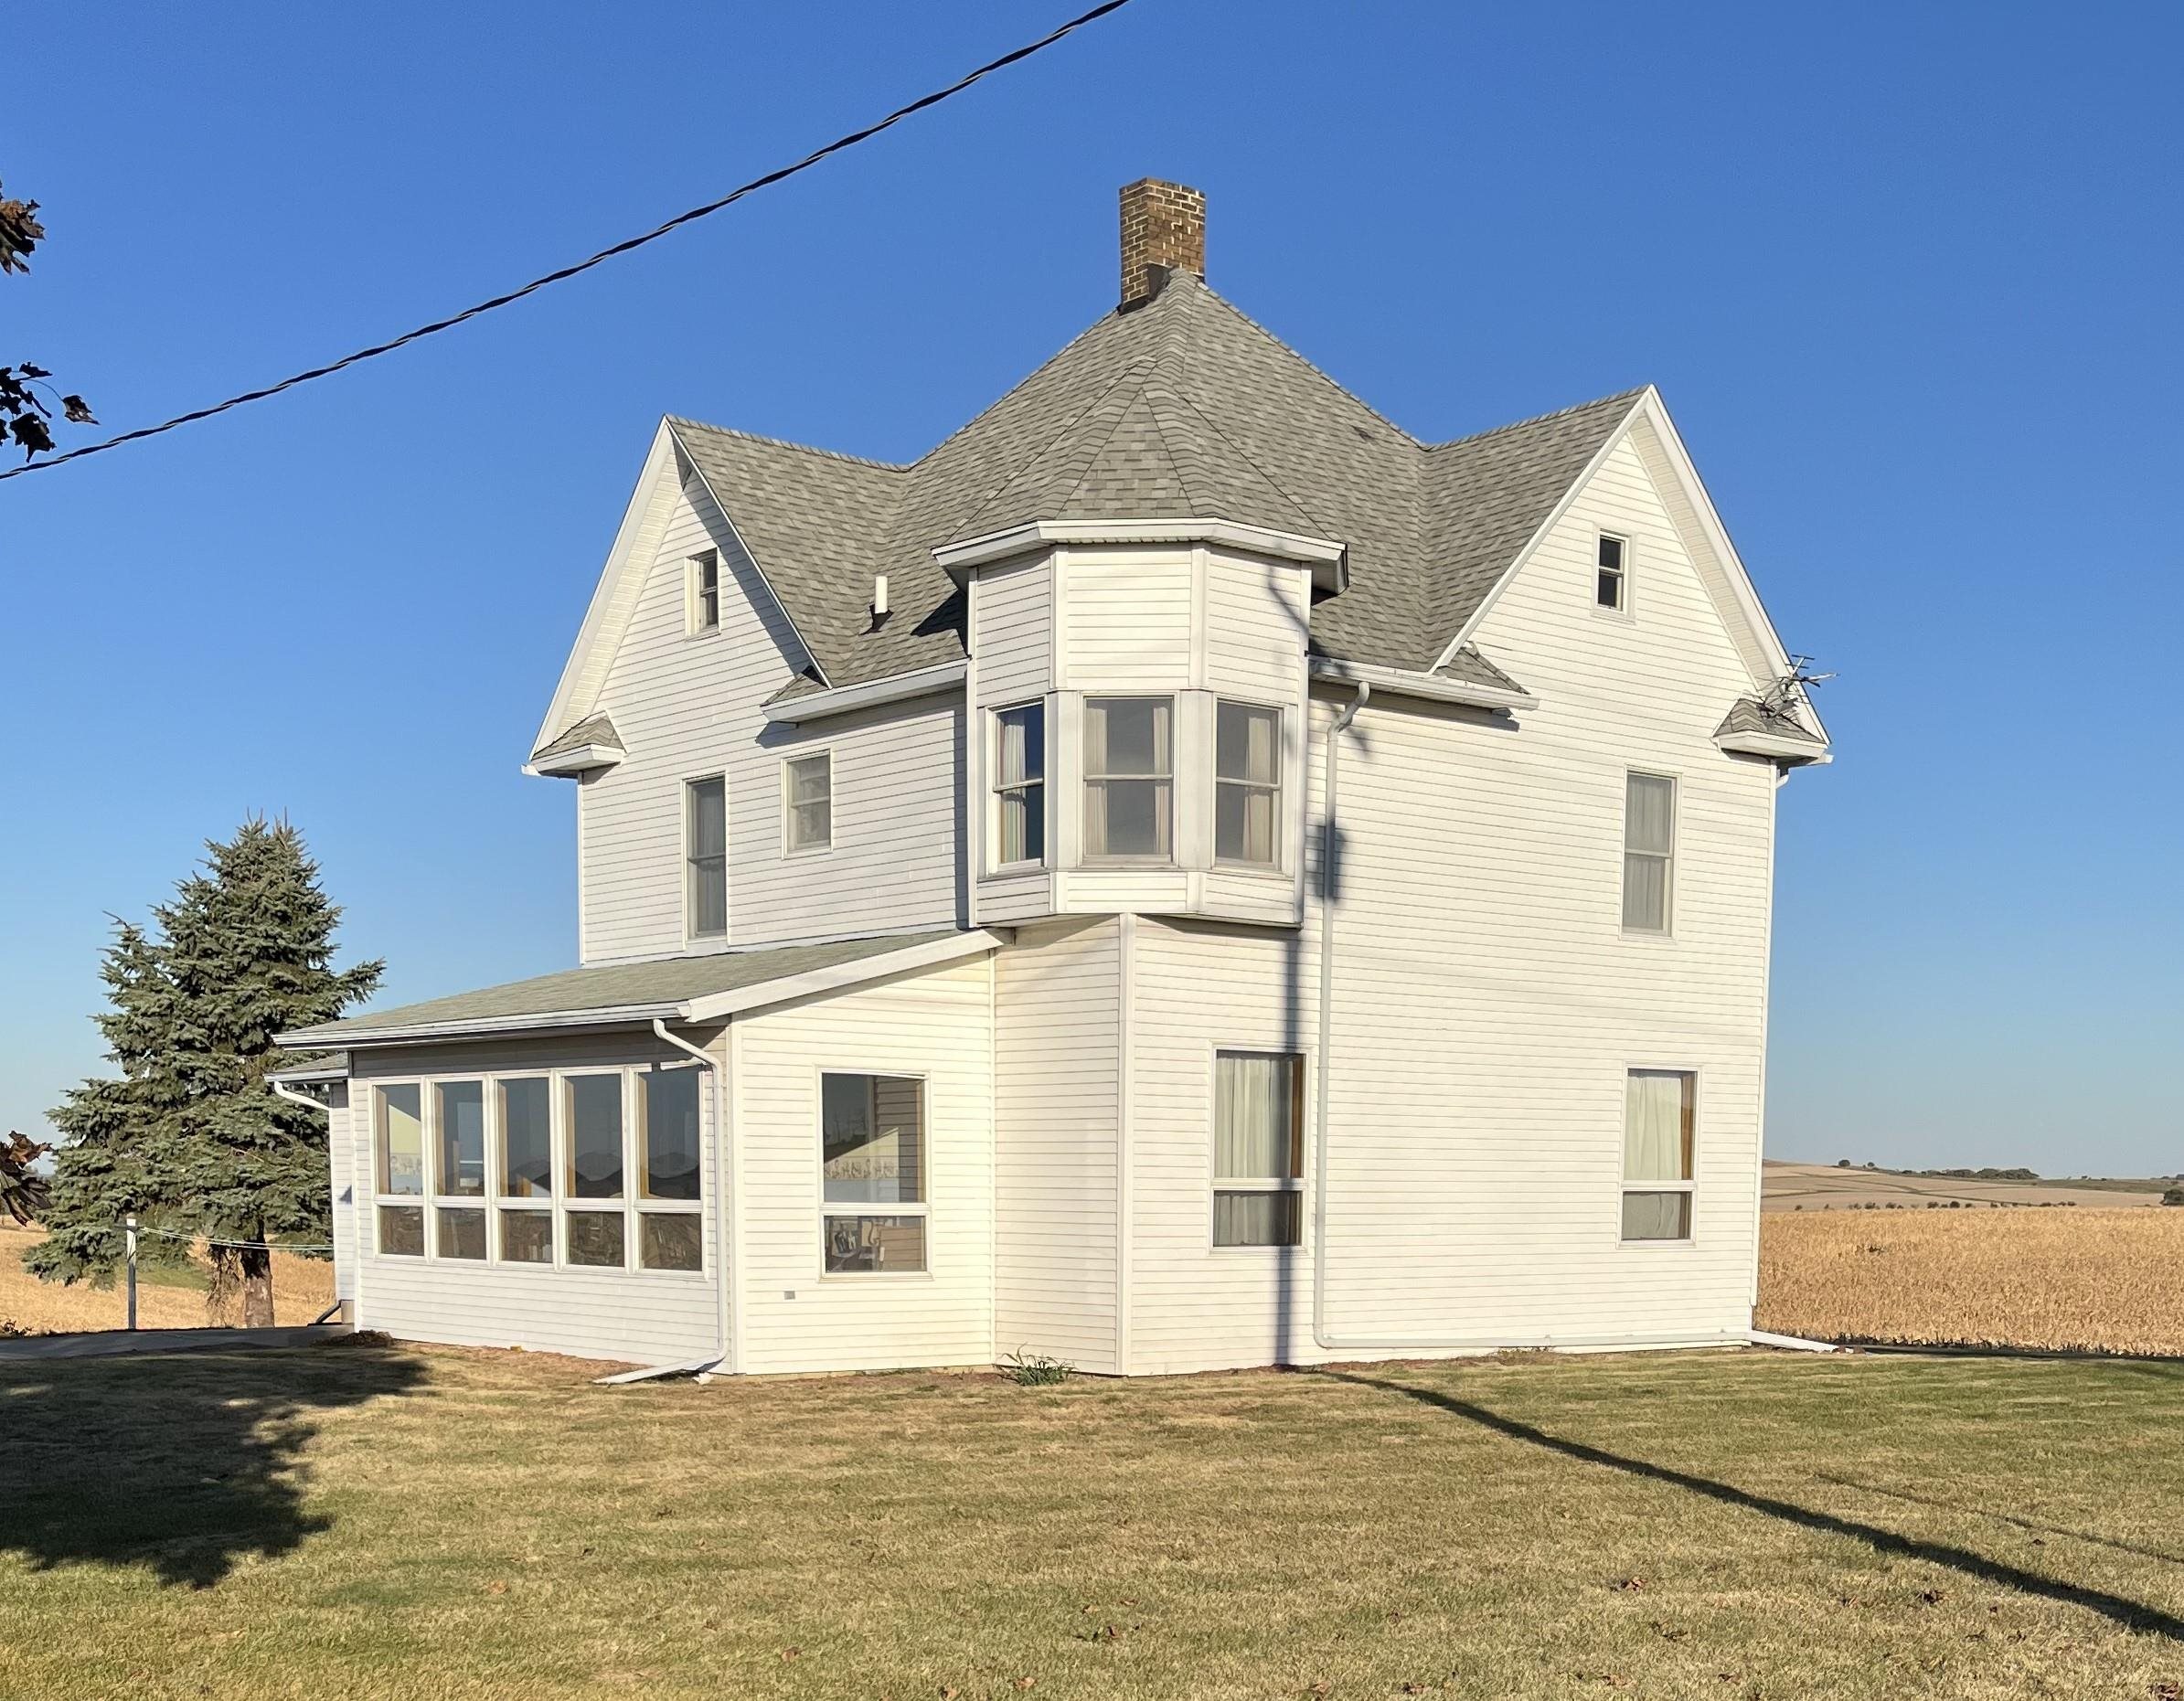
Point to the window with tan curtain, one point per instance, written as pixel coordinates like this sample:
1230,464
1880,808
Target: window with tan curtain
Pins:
1129,777
1658,1128
1258,1148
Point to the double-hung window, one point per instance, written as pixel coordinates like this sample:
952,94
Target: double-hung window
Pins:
1659,1122
1247,784
1020,785
807,802
1648,852
1610,581
1258,1148
704,853
872,1209
1129,778
705,591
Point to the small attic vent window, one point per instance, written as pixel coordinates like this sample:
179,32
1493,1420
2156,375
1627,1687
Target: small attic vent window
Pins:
1608,585
705,591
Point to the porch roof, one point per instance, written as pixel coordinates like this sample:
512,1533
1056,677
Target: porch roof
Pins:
707,988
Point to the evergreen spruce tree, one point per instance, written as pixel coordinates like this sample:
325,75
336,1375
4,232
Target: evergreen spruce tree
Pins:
190,1136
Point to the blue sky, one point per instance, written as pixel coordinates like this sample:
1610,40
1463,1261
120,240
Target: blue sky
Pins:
1908,287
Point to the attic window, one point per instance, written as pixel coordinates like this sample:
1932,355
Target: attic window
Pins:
1608,585
705,591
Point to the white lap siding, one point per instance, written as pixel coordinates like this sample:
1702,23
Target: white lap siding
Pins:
638,1316
340,1155
688,706
936,1024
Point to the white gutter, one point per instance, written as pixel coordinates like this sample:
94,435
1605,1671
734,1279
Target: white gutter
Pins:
1395,682
841,699
617,1015
724,1261
1327,559
1322,1336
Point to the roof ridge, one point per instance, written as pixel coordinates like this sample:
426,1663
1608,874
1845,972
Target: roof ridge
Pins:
1241,453
1098,449
1063,440
1058,355
783,442
1191,493
1305,361
1539,418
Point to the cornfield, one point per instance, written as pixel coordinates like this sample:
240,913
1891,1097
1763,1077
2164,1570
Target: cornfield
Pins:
2090,1281
169,1298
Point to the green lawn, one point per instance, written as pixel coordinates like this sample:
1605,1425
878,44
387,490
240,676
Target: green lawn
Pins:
364,1521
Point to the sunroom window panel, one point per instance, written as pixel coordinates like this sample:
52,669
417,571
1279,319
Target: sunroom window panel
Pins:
526,1139
403,1230
668,1168
460,1108
400,1138
463,1234
670,1240
593,1109
526,1237
597,1240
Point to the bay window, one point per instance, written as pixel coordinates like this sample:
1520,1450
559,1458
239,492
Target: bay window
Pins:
1258,1148
1658,1129
1247,787
1129,778
872,1174
1020,785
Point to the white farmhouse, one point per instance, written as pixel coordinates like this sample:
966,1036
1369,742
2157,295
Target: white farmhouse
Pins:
1184,875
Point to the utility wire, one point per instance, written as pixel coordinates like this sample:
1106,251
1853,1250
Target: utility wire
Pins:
271,1246
756,184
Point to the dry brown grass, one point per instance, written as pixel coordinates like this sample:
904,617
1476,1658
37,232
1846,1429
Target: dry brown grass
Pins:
303,1288
2081,1280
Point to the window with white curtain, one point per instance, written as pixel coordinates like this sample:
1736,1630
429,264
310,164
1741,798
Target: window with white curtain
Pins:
1129,777
704,853
1020,785
1258,1148
1649,851
808,801
1659,1125
872,1207
1247,784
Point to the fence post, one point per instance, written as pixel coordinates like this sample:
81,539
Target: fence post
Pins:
129,1222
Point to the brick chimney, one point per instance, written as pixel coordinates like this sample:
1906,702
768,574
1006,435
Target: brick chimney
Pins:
1164,225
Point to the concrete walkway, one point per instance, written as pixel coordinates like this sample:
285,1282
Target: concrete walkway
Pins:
114,1343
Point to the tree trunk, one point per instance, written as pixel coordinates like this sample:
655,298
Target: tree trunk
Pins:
257,1287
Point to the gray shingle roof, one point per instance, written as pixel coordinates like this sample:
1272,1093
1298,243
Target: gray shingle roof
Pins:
1474,669
1751,715
636,988
592,729
1179,408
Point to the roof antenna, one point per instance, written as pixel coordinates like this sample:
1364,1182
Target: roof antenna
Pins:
1792,687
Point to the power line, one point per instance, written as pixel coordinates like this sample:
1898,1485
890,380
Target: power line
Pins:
733,195
270,1246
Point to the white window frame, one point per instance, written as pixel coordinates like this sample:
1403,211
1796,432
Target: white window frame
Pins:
1669,882
998,789
690,782
921,1208
1279,789
420,1201
1086,779
818,752
558,1201
1619,609
1218,1184
1687,1186
695,624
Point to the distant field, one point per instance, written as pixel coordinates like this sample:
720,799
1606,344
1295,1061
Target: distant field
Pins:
1823,1187
168,1299
2086,1280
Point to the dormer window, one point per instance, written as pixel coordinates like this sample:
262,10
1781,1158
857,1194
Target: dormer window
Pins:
704,595
1609,587
1129,778
1247,801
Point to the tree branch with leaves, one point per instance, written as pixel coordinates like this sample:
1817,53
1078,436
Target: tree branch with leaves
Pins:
26,413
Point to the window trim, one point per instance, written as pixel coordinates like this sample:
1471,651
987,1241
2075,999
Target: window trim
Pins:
1689,1186
694,568
1217,1183
1086,856
997,789
920,1209
690,934
805,754
1619,609
1279,790
1669,881
558,1201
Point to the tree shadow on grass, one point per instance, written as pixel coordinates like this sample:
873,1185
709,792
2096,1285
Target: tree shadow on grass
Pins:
2132,1615
181,1463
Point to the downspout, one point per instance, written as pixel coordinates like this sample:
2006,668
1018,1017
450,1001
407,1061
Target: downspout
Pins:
1322,1336
722,1263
